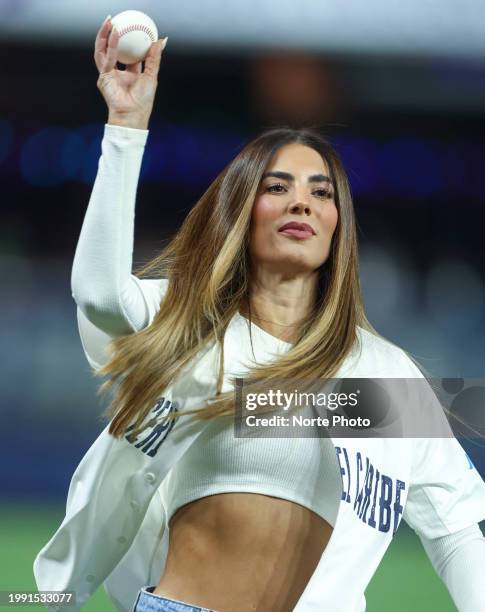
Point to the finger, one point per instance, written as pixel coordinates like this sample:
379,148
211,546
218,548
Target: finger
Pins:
101,40
111,50
152,60
103,32
134,68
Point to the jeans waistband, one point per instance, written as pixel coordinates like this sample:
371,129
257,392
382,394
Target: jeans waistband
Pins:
147,601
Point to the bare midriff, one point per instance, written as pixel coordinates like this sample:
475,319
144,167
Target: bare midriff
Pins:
237,552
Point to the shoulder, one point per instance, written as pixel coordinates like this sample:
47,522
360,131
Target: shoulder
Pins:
375,356
371,342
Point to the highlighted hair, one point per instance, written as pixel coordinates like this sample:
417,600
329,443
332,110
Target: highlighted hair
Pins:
207,266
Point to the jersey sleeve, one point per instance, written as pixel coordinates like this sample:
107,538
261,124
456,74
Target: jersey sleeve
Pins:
111,301
459,559
95,340
446,492
102,283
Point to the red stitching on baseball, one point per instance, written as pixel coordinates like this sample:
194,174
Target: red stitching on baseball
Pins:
139,27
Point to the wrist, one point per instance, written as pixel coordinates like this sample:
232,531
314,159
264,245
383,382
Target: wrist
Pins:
139,122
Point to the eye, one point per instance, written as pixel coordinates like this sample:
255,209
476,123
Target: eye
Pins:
270,187
322,193
325,193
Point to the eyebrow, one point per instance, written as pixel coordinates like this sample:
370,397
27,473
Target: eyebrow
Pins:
314,178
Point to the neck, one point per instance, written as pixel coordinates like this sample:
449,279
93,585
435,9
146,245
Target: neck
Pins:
285,303
285,330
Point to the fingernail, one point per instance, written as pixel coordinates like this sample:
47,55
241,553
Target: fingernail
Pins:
108,17
164,42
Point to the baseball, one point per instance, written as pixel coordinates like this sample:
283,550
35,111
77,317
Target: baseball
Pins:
137,32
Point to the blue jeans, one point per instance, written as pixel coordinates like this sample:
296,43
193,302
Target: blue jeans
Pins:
147,601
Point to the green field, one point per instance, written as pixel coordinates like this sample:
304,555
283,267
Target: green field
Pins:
405,580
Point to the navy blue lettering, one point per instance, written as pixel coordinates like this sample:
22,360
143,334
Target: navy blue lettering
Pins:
374,492
400,485
371,522
342,472
347,463
359,469
368,490
385,503
161,428
358,501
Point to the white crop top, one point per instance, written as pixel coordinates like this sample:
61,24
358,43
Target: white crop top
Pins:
302,470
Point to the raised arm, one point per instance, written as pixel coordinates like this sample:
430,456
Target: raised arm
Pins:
102,284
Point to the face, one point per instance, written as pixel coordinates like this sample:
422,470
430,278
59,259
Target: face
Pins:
296,188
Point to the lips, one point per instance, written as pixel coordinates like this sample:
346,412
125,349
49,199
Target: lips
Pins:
304,228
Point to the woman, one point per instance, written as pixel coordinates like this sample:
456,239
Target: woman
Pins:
252,524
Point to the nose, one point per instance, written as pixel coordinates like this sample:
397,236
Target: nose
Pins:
301,207
300,203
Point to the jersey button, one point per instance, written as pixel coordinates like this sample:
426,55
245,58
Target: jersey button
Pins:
150,477
90,578
121,540
134,505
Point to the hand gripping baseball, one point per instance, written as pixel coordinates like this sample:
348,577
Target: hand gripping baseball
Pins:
129,94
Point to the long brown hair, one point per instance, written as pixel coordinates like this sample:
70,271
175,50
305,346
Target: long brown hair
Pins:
206,263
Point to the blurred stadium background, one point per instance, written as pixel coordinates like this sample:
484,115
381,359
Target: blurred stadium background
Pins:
400,89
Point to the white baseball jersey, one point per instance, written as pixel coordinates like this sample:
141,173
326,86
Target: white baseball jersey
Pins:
114,531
